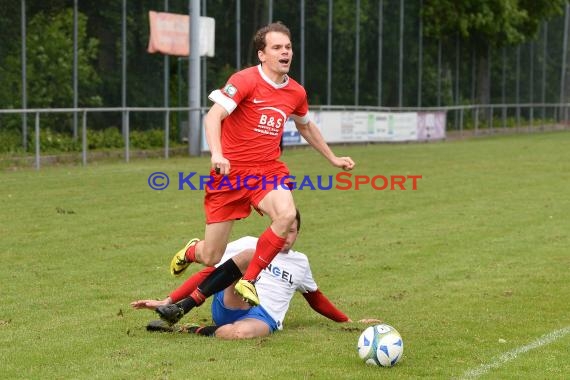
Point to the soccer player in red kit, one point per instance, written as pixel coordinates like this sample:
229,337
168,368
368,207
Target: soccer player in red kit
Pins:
243,130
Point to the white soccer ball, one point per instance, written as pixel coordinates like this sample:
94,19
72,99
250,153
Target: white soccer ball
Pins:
380,345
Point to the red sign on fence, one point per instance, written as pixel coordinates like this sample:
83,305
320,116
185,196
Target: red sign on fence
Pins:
169,34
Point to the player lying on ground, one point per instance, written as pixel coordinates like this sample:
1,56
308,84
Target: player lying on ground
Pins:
234,318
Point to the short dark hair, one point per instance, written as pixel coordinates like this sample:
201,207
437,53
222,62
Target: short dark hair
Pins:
259,38
298,219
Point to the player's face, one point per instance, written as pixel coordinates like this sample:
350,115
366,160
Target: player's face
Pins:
290,238
277,55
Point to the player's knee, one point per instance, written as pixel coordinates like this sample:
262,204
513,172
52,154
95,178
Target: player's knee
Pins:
211,257
243,259
240,333
287,216
210,261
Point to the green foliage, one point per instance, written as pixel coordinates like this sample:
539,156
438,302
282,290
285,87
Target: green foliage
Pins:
477,23
49,59
57,142
51,142
147,139
50,66
488,22
10,141
107,138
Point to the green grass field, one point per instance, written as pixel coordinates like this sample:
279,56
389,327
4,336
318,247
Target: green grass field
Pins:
473,268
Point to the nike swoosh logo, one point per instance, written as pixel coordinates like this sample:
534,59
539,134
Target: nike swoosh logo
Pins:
257,101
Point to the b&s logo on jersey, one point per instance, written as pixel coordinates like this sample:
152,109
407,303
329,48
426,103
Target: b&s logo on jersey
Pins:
230,90
271,121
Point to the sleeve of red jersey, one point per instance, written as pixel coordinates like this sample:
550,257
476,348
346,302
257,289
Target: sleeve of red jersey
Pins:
301,113
321,304
234,91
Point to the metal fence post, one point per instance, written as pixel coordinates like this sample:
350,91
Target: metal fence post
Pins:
503,88
531,87
84,138
194,120
401,57
380,53
37,141
420,58
75,68
166,133
544,59
476,120
517,87
329,52
461,122
127,137
357,55
562,111
24,78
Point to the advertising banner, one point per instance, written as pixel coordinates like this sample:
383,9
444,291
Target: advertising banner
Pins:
362,127
169,34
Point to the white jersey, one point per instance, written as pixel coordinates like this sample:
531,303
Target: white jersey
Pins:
287,273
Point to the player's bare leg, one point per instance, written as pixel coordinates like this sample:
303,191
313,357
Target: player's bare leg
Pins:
216,239
244,329
208,251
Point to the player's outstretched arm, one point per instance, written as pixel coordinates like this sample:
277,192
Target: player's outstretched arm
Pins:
311,133
322,305
181,292
150,304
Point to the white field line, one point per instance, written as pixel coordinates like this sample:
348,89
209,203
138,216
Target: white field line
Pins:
511,355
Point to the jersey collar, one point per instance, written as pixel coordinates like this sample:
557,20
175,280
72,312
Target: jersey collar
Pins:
269,81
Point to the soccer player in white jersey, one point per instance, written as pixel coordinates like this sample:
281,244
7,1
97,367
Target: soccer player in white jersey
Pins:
236,319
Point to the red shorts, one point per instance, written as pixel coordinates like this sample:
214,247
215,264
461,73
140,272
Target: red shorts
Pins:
231,197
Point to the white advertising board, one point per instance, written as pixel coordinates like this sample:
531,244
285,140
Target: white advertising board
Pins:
359,126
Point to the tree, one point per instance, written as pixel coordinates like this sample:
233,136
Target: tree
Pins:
50,63
487,24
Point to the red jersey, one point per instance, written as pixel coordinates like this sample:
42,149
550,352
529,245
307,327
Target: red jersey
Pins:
258,109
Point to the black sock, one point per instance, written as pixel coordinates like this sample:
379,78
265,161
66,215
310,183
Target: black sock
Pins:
187,304
222,277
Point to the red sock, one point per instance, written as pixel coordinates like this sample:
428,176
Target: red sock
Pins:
190,254
191,284
198,297
268,246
